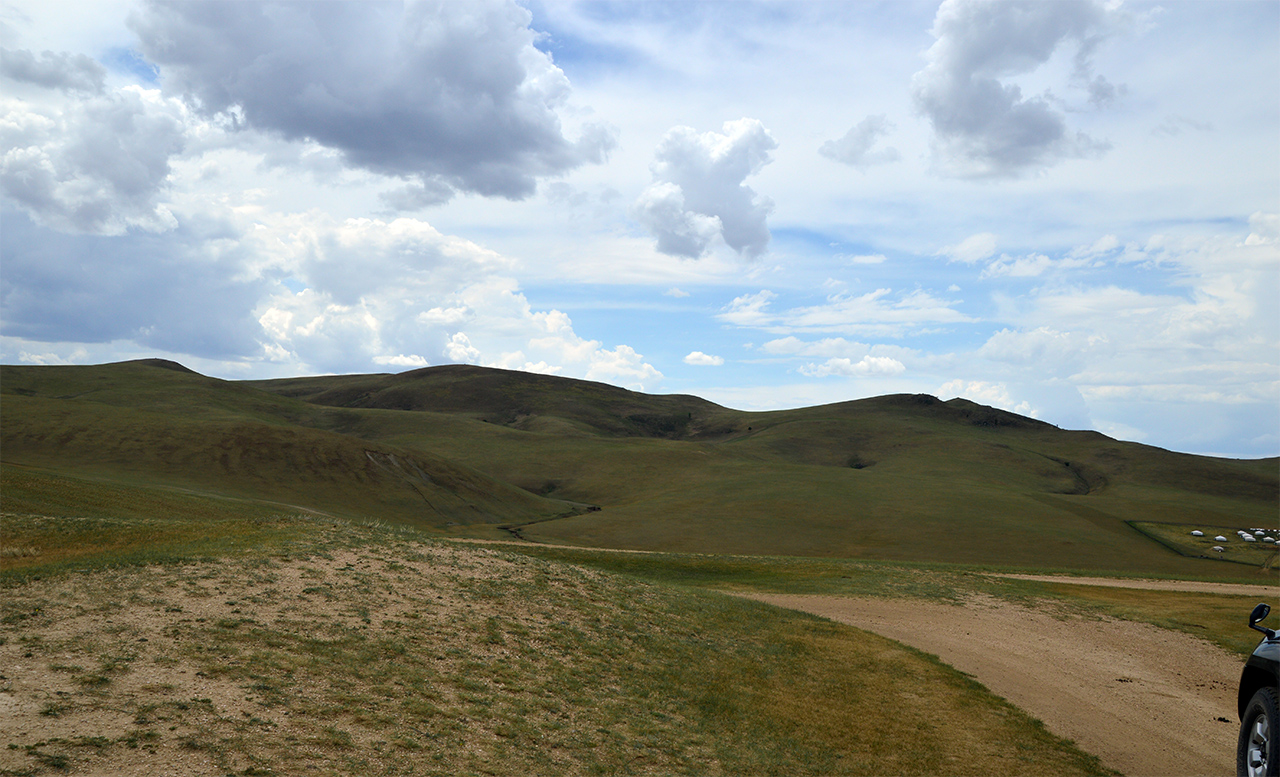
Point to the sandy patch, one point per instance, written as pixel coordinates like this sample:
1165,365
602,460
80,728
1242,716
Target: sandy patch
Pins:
1145,700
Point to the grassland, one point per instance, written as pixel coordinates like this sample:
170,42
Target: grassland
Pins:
191,583
1218,618
485,453
334,648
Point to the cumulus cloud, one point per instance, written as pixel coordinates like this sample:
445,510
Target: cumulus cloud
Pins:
402,294
624,367
855,147
984,127
77,357
703,360
411,361
53,70
867,366
698,192
449,96
993,394
357,257
460,349
98,164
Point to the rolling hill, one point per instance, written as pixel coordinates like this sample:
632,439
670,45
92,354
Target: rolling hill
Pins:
154,423
466,449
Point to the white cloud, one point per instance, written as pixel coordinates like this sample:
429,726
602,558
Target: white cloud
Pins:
1210,337
1020,267
867,366
855,147
1049,351
675,292
1103,245
401,360
698,192
451,96
830,346
680,231
972,249
874,313
868,259
96,164
624,367
983,126
76,357
985,393
1264,229
703,360
460,350
749,309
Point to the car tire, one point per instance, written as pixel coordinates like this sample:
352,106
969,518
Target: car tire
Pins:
1258,749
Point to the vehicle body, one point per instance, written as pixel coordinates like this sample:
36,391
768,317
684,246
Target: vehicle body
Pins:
1258,701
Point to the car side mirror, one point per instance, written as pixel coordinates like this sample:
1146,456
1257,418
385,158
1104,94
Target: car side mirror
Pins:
1259,614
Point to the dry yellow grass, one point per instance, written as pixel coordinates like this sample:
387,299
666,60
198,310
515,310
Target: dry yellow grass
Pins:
363,650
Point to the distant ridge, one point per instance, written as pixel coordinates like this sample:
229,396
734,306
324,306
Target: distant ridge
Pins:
509,397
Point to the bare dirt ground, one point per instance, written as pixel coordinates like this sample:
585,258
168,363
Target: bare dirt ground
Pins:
1145,700
1185,586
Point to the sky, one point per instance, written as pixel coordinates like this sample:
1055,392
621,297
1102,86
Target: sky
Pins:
1069,209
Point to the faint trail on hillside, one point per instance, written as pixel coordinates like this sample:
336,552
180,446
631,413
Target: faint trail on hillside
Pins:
1269,592
1145,700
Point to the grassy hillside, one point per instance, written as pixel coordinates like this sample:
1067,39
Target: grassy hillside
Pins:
519,400
898,478
153,423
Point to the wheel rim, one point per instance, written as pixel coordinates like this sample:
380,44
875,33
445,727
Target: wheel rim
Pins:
1259,741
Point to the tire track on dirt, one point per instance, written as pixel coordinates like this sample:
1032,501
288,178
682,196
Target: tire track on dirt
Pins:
1147,701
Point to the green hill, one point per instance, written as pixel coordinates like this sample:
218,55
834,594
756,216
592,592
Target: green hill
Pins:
904,477
153,423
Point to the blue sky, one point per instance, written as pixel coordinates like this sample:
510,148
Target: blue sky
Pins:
1067,209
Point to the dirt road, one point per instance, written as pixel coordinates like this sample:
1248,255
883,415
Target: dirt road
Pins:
1145,700
1267,592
